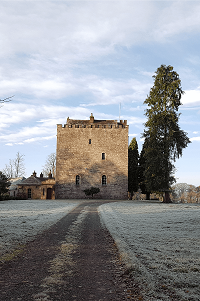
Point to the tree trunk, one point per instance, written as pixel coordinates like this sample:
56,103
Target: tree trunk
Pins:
167,198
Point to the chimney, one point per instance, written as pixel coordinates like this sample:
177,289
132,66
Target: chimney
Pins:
91,118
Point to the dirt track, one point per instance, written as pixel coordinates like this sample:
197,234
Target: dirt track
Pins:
76,259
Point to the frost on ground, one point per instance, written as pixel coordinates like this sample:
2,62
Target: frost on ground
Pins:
160,244
21,220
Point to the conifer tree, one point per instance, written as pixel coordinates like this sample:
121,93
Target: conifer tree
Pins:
165,138
141,171
133,156
4,184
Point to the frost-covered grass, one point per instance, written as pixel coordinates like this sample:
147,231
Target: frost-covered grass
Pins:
160,244
21,220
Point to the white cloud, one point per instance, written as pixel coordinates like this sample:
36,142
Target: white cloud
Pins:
133,135
9,144
17,113
195,139
71,30
44,42
24,124
136,120
191,97
177,18
30,140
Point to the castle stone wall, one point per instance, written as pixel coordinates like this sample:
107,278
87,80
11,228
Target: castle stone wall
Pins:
80,145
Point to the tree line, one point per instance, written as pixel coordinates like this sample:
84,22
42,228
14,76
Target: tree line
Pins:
185,193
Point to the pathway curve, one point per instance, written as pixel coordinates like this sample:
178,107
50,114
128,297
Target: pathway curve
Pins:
76,259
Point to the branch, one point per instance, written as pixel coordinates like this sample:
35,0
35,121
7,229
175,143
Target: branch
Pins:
6,99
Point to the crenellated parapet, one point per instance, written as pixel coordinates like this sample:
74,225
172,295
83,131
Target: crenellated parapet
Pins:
94,124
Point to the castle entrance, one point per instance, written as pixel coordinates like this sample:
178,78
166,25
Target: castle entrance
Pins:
49,193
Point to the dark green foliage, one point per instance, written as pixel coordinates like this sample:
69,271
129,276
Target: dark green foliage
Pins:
21,196
141,172
165,138
133,156
91,191
4,184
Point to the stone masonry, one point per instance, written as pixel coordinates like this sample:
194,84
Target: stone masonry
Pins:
92,153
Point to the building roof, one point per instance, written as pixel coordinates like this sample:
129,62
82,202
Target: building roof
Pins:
34,180
95,122
15,181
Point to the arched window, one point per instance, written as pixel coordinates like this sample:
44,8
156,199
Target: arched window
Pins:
103,180
77,180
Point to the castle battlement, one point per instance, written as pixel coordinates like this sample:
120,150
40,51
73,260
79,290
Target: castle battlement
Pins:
93,123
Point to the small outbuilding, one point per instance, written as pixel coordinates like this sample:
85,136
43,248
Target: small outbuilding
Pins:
38,187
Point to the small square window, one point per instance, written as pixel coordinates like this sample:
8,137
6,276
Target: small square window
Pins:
103,156
89,141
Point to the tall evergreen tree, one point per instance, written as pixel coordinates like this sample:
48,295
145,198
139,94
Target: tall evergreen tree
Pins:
133,156
141,171
165,138
4,184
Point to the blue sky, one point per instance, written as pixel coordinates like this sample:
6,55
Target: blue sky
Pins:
71,58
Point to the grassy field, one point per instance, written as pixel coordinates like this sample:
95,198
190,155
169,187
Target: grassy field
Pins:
20,221
160,244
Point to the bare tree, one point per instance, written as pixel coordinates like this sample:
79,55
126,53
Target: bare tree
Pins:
9,169
15,168
6,99
50,165
185,193
197,194
19,165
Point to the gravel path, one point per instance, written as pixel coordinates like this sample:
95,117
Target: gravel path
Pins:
76,259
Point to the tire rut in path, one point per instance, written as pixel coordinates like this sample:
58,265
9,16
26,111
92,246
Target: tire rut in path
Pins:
76,259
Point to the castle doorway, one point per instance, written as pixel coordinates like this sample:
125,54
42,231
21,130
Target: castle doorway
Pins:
49,193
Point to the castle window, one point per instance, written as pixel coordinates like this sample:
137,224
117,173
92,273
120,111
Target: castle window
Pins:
103,180
29,193
103,156
89,141
77,180
43,191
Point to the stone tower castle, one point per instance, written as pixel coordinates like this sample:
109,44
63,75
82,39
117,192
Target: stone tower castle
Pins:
92,153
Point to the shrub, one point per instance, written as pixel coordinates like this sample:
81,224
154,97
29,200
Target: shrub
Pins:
91,191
